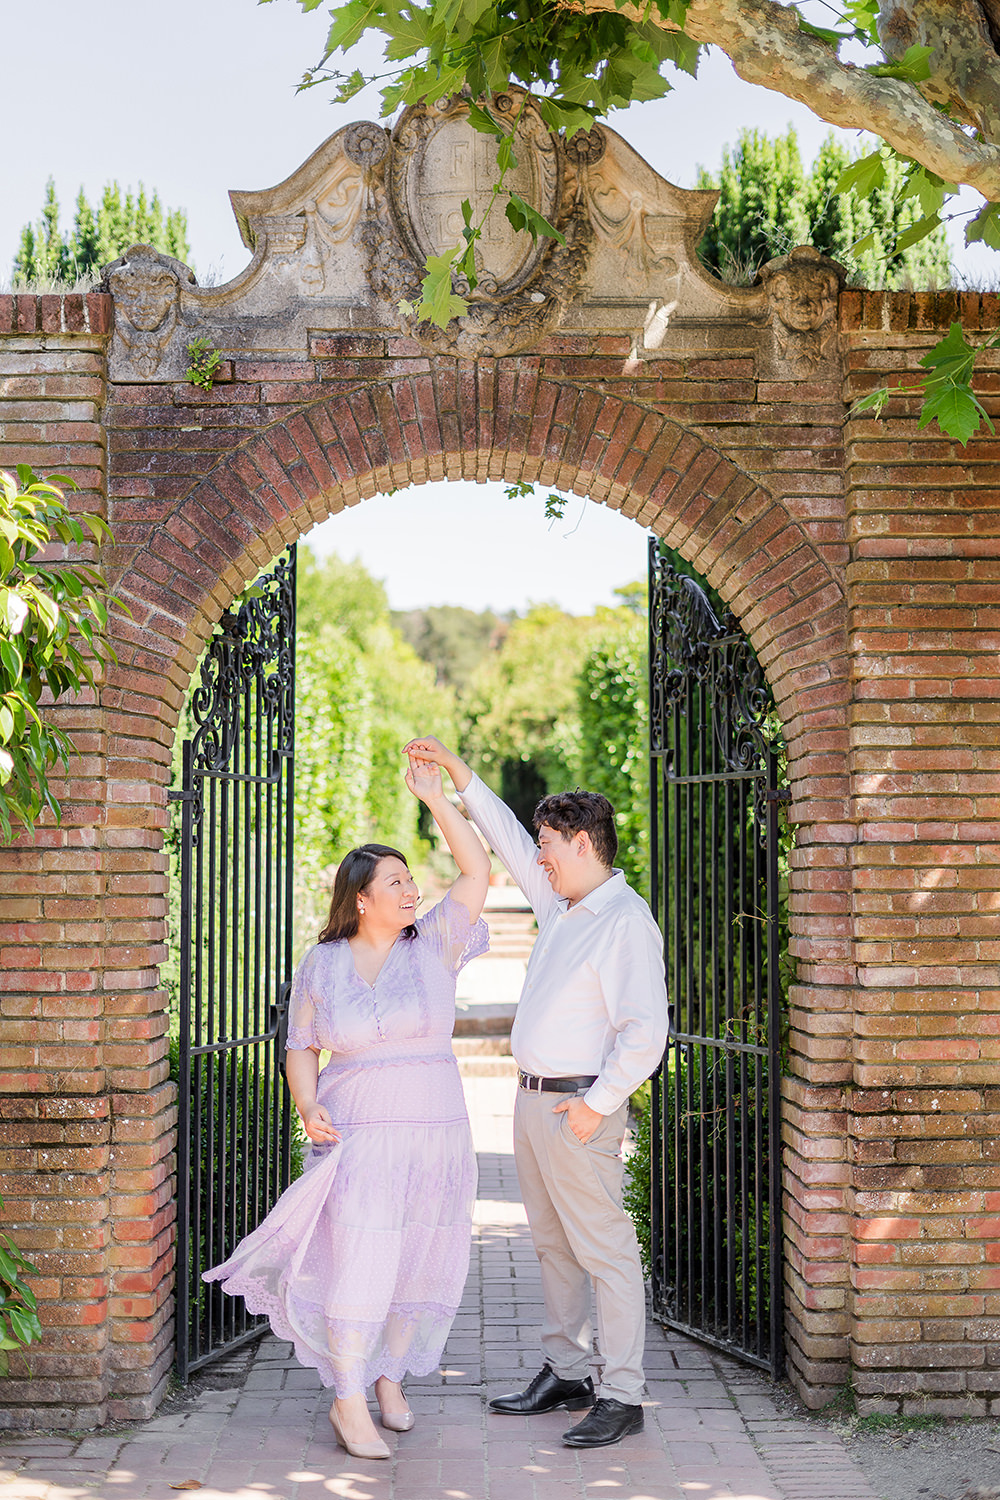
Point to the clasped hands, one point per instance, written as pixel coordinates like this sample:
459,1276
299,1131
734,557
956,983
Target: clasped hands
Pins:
583,1120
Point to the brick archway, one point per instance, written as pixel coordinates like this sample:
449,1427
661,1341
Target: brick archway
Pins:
182,568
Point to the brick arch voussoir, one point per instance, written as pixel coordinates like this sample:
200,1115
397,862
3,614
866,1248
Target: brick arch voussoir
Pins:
486,422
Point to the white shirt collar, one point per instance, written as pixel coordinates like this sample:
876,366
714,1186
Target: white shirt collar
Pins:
599,897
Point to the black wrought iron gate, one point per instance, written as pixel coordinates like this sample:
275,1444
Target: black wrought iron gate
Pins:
715,796
235,850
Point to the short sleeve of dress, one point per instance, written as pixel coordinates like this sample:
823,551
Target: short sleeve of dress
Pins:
448,928
302,1005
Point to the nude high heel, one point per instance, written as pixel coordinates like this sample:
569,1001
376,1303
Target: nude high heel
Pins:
401,1421
378,1449
398,1421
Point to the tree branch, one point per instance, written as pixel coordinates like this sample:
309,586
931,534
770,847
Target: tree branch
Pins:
766,47
965,69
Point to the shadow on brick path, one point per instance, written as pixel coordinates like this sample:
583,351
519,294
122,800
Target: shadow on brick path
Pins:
714,1431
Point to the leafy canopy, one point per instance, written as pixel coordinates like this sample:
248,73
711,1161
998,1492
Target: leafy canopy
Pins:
924,83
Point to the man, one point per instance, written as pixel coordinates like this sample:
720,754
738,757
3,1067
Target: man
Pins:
591,1025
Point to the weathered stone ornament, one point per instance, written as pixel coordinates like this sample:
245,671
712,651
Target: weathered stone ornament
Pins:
342,244
802,291
146,286
438,161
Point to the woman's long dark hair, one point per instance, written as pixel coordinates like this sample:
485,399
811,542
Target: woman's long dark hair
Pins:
354,876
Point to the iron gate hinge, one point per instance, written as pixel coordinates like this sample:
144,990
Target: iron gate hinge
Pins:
173,796
781,794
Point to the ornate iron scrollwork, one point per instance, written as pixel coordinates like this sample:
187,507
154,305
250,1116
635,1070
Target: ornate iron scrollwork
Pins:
253,647
689,643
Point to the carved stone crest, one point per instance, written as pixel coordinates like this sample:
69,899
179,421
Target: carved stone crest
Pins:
146,287
802,290
438,161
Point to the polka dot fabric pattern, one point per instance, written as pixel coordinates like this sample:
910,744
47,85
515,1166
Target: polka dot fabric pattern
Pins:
362,1261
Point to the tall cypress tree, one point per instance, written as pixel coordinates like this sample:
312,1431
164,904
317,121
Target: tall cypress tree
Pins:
768,203
47,253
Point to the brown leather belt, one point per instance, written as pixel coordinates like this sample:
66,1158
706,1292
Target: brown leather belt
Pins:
554,1085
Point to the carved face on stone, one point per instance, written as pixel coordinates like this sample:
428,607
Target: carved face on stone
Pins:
804,297
145,291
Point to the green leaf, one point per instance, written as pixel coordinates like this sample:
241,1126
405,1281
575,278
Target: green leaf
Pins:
13,610
914,66
24,1324
521,215
349,86
862,246
9,1268
875,401
562,114
863,176
953,349
350,22
13,661
926,187
672,47
956,411
480,119
985,226
506,157
824,34
918,231
863,15
438,303
496,63
673,10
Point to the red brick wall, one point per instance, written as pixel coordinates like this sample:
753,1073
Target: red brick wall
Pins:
85,1114
748,477
924,1106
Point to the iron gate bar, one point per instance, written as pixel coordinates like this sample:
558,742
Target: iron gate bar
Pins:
236,871
714,799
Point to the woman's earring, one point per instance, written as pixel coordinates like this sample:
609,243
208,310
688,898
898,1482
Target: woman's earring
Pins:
361,911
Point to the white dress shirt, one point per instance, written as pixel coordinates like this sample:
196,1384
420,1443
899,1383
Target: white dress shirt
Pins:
594,1000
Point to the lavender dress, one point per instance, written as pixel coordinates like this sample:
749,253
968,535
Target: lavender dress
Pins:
362,1261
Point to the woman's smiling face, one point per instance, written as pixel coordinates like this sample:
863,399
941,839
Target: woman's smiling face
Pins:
390,900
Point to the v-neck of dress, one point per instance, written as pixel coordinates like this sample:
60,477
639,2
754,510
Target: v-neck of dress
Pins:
381,969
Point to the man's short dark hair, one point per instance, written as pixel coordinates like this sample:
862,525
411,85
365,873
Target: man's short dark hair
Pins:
581,812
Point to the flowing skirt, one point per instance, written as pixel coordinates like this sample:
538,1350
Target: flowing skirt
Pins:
362,1261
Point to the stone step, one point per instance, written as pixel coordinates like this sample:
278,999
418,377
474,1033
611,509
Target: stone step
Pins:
481,1046
484,1021
487,1067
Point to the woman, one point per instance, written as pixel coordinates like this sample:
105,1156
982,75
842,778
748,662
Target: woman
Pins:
362,1261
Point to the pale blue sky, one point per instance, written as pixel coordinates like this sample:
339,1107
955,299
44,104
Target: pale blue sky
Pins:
197,97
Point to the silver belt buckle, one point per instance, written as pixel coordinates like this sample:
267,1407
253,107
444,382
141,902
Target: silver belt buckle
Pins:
531,1083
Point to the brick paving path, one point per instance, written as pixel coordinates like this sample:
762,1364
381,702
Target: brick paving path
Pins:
713,1429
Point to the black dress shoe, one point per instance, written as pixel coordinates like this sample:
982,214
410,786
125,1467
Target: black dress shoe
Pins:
547,1393
609,1422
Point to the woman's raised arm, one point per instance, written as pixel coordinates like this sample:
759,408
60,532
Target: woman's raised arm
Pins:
424,780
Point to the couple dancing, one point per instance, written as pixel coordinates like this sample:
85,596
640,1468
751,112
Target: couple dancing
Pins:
362,1262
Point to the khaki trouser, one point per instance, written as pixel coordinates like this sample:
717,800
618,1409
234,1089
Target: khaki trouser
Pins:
573,1197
